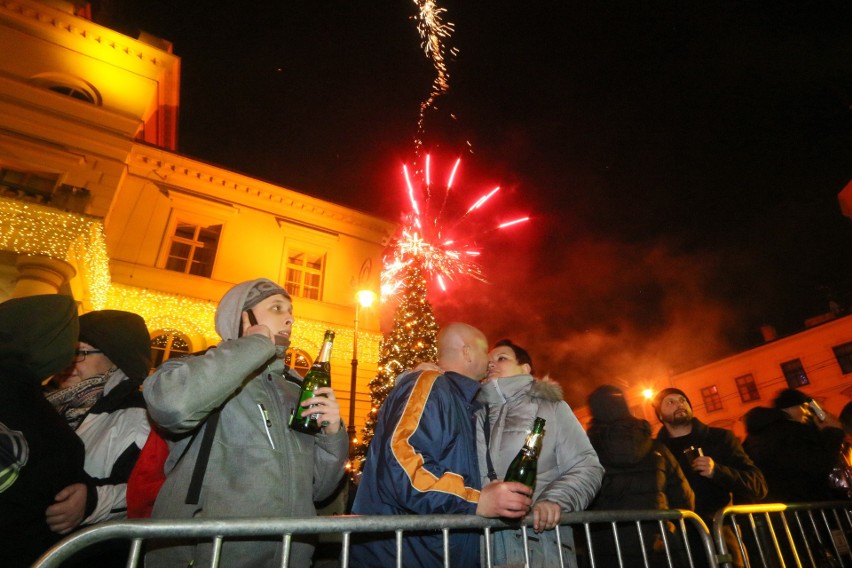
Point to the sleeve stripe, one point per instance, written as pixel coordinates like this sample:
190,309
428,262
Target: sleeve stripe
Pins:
410,460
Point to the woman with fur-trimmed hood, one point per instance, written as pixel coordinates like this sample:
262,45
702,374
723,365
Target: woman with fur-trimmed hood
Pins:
569,473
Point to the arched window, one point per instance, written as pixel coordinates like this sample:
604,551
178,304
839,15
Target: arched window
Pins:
74,93
168,344
69,85
298,360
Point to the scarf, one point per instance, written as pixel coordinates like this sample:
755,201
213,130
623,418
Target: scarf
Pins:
74,402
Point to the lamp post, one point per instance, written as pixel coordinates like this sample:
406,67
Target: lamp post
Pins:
365,299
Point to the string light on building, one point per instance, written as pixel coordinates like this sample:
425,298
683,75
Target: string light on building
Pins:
33,229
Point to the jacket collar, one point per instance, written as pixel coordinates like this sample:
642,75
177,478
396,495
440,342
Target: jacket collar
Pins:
500,391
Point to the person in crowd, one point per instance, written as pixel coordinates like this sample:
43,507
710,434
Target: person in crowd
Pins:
794,450
722,475
234,403
569,473
841,474
422,459
103,404
39,454
640,473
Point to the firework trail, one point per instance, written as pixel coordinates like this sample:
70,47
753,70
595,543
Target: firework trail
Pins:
433,30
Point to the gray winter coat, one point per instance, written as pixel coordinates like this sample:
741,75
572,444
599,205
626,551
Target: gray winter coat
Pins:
252,471
569,472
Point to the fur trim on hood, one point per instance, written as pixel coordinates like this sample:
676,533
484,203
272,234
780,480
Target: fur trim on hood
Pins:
546,389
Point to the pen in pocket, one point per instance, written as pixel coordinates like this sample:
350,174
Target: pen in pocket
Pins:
267,423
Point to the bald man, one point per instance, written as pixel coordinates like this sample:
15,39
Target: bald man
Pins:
422,459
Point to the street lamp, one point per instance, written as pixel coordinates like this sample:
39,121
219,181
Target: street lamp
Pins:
365,299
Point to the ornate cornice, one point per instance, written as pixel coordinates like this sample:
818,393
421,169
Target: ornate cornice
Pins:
180,172
50,18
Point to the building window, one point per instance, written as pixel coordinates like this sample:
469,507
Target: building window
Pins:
28,185
304,274
298,360
74,93
168,344
748,388
712,400
843,353
193,248
795,374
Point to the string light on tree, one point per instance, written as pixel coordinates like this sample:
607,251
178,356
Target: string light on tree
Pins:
411,341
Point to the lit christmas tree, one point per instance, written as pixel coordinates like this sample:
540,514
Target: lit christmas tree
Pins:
411,341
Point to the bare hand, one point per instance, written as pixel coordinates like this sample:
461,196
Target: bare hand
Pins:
504,499
704,466
546,515
327,407
259,329
68,510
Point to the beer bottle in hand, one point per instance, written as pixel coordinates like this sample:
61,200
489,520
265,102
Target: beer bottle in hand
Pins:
525,465
319,375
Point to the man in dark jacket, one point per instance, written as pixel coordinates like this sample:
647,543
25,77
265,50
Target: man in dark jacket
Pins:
640,473
723,474
795,451
422,459
39,453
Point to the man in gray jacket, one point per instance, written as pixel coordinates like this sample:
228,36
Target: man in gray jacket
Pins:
257,466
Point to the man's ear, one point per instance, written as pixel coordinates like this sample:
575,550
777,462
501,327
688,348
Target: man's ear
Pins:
527,369
466,353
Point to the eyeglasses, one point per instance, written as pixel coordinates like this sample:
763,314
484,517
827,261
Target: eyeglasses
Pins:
80,354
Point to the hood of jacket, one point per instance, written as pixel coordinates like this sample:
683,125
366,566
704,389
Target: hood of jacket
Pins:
760,418
230,311
499,391
621,443
39,333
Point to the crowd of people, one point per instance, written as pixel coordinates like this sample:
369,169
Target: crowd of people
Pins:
81,405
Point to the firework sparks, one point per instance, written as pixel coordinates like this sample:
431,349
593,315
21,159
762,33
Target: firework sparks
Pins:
433,31
422,239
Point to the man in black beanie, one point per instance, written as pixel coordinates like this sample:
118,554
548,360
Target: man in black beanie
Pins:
722,474
795,450
105,408
39,453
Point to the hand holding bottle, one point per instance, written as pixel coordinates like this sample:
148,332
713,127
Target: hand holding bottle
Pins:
325,407
508,499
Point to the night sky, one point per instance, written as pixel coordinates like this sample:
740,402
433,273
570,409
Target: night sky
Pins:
681,160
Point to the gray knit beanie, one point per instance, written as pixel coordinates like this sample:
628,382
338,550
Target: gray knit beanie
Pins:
262,290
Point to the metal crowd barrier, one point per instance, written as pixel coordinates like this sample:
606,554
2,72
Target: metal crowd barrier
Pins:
777,535
615,530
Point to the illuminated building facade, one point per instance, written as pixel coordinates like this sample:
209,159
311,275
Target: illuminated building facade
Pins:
95,202
817,361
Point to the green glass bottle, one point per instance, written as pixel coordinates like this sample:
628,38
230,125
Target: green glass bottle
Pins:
524,467
319,375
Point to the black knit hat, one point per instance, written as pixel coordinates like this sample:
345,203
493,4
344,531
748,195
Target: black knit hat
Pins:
788,398
122,336
658,398
607,404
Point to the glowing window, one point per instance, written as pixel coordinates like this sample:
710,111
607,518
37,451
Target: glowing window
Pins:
747,388
298,360
795,373
712,400
843,353
193,248
304,274
168,344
